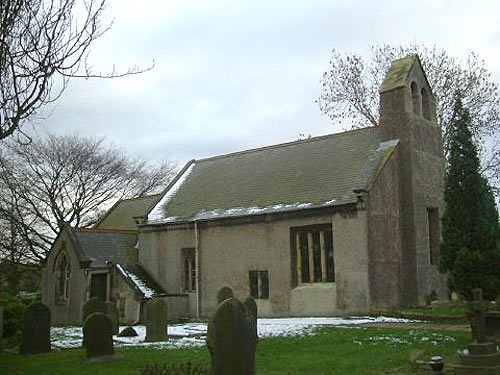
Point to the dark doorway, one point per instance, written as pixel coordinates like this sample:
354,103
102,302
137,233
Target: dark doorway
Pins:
99,286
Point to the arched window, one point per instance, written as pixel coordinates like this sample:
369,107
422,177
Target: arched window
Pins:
415,97
62,276
426,105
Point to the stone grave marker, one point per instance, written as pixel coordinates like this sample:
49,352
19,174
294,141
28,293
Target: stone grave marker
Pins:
156,320
478,307
223,294
251,305
93,305
128,332
98,335
112,314
483,356
232,339
35,329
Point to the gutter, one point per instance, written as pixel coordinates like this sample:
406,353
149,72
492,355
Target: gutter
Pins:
197,262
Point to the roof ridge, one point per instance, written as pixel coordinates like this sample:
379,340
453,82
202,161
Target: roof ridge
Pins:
140,197
104,230
285,144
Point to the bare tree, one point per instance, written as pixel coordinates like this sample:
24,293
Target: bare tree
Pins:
43,44
67,179
351,93
15,254
351,85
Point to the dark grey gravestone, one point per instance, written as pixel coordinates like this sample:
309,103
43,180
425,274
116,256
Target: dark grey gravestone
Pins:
223,294
478,307
36,329
156,320
232,339
98,335
92,306
112,314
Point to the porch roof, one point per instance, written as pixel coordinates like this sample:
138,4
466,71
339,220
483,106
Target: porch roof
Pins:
101,246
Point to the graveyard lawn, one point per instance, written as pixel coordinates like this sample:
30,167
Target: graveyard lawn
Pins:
326,350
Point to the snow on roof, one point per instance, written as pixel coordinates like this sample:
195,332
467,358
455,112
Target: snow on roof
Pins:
242,211
157,214
140,284
319,172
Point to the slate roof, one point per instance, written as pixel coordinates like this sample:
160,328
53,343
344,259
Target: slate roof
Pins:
316,172
100,246
121,215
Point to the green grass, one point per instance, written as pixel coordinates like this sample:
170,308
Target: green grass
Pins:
456,309
329,351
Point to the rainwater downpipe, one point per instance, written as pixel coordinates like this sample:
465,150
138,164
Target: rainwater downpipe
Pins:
197,262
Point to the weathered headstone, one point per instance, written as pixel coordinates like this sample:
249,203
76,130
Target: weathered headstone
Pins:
98,335
156,320
93,305
483,356
251,305
223,294
128,332
112,314
479,308
36,329
232,339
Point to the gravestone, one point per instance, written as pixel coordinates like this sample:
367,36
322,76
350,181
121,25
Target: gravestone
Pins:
36,329
232,339
112,314
98,335
93,305
223,294
156,320
128,332
479,308
483,356
1,329
251,305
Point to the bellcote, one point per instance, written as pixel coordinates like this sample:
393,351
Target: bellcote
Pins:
406,77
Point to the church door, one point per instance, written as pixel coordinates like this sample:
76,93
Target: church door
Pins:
99,286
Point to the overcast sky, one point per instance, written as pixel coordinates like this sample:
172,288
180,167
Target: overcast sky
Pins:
232,75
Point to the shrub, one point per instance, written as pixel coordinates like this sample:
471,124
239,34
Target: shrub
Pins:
13,308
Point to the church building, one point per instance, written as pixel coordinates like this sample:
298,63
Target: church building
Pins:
331,225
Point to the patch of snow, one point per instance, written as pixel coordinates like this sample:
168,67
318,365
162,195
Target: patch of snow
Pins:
194,334
254,210
145,290
388,144
157,214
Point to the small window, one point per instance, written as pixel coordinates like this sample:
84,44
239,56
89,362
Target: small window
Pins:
189,270
259,284
416,101
434,237
426,105
312,254
63,274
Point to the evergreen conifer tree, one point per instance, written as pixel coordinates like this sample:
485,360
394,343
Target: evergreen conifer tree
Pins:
471,233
